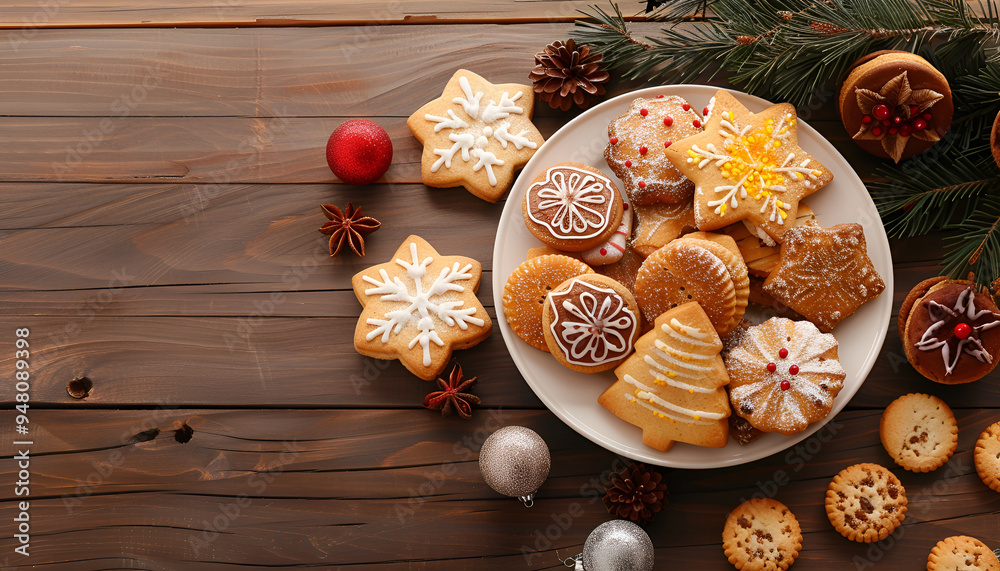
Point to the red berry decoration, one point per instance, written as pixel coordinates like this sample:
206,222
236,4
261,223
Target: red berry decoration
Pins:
771,367
876,131
667,144
920,124
704,111
644,112
785,385
793,370
642,184
962,331
696,123
359,152
866,119
893,130
668,121
659,97
897,119
628,163
905,131
782,352
614,140
881,111
927,116
686,106
643,150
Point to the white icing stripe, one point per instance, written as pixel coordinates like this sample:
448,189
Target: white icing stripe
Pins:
632,399
654,363
566,197
591,335
668,350
673,382
646,393
687,330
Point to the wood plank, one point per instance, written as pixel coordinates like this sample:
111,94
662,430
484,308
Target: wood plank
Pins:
352,490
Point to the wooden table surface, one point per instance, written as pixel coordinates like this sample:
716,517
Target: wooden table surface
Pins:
161,171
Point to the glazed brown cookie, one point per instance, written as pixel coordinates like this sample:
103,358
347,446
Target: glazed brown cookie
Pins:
919,432
865,502
962,553
525,291
762,535
572,207
918,291
987,456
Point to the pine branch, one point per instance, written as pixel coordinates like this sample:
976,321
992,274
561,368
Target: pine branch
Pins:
976,248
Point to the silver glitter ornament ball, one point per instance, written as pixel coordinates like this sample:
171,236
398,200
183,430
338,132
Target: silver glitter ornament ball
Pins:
515,461
618,545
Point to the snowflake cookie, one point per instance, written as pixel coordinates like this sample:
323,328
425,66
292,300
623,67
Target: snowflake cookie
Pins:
748,166
418,307
476,135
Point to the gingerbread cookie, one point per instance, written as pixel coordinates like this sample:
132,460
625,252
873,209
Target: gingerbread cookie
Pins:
659,224
919,432
572,207
637,140
962,553
951,334
760,251
987,456
748,166
762,534
419,307
726,249
673,386
590,323
624,270
525,291
865,503
784,375
476,135
824,273
612,251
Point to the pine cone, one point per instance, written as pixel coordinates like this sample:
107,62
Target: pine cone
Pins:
637,493
564,75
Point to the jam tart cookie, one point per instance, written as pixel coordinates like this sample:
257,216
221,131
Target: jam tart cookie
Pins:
637,140
919,432
748,166
659,224
762,534
784,375
865,502
952,332
590,323
476,135
572,207
962,553
673,386
419,307
987,456
824,274
525,291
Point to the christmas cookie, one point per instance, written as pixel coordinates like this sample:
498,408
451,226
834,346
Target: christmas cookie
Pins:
658,224
760,251
962,553
612,250
918,291
684,271
951,332
762,534
824,273
919,432
476,135
895,104
525,291
784,375
624,270
726,249
572,207
673,386
987,456
590,323
748,166
636,143
419,307
865,502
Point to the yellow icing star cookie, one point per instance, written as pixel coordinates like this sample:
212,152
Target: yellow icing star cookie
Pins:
476,135
418,307
748,166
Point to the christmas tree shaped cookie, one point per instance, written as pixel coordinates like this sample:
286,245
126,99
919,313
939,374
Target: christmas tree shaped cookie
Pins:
673,386
748,166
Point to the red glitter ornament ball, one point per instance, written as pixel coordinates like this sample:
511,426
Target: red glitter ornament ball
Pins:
359,152
962,331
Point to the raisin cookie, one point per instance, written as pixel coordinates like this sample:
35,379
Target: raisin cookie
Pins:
987,456
865,502
962,553
762,534
919,432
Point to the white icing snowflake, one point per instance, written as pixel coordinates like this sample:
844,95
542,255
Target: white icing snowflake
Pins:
422,305
597,332
483,126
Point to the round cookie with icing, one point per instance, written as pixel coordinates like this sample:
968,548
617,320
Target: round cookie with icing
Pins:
952,332
572,207
784,375
590,323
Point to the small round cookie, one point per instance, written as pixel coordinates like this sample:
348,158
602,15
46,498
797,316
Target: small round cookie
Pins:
525,291
919,432
987,456
865,502
762,534
572,207
590,323
962,553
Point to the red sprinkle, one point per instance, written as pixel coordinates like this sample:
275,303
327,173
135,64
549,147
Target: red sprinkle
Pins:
686,106
643,150
666,144
704,111
668,120
920,124
782,352
628,163
866,119
644,112
696,123
793,370
614,140
604,251
771,367
785,385
962,331
642,184
659,97
625,205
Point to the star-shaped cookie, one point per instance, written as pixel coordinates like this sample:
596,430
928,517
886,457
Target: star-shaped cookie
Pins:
748,166
418,307
476,135
824,274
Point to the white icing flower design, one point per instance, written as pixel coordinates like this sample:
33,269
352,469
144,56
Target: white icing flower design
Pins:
951,345
566,196
594,332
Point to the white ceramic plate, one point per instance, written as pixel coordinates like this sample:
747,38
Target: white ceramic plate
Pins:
572,396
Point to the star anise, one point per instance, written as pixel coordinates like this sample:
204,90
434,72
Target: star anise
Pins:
637,493
453,394
348,226
895,114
